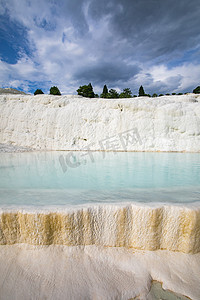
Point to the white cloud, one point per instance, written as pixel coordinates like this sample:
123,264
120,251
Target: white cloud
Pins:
176,79
65,41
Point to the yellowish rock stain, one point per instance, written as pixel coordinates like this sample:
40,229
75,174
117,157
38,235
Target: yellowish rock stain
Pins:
175,229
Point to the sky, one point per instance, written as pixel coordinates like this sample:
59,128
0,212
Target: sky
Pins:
120,43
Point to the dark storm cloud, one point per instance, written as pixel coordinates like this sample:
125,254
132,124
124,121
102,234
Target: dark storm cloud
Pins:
140,32
74,11
154,28
106,72
119,42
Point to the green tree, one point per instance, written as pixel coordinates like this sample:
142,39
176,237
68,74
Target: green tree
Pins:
141,91
86,91
38,92
113,94
91,92
105,92
126,93
105,89
154,95
54,91
197,90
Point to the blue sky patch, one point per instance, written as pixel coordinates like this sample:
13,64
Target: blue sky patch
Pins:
13,40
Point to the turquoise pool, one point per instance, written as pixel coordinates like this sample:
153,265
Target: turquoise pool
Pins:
68,178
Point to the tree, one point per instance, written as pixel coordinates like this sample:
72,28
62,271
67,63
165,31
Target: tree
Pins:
38,92
91,92
197,90
54,91
86,91
113,94
126,93
105,92
154,95
141,91
105,89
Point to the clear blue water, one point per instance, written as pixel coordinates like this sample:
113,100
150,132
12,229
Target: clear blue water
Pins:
57,178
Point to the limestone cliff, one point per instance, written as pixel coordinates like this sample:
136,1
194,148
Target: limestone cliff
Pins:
168,123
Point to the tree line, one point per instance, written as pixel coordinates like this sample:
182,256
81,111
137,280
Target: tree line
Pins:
87,91
54,90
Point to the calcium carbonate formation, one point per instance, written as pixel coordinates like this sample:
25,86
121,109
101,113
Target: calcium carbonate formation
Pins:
114,263
174,228
168,123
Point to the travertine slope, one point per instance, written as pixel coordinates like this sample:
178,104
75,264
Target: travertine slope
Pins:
168,123
172,228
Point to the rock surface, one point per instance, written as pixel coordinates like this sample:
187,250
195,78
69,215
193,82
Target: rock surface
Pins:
168,123
100,273
10,91
173,228
11,148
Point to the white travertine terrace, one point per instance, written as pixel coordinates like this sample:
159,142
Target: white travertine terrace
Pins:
168,123
99,251
143,227
93,272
